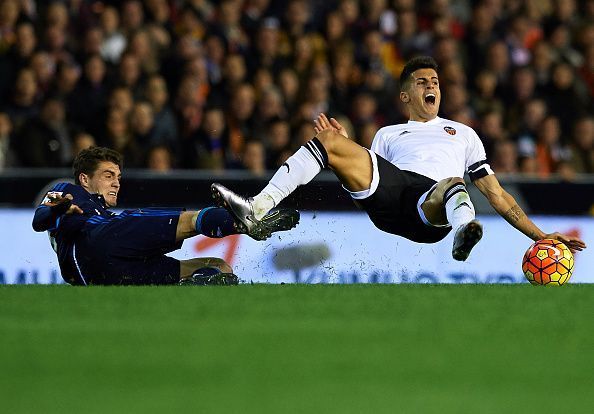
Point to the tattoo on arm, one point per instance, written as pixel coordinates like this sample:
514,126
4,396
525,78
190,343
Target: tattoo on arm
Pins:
514,214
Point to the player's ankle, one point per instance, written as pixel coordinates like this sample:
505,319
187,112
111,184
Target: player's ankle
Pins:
262,204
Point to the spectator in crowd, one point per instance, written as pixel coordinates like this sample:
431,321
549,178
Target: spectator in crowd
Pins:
505,157
114,42
253,158
206,148
160,159
582,146
165,124
45,140
7,156
82,141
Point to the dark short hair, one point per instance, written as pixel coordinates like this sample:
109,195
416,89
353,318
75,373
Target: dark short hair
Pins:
87,161
416,63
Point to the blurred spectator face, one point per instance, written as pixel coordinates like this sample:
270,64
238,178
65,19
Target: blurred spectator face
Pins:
534,114
132,15
142,119
279,135
129,69
492,126
26,85
121,99
234,70
262,80
156,92
550,132
55,38
289,84
349,9
524,82
110,20
215,49
297,13
364,107
117,126
159,159
303,50
81,142
583,135
317,91
253,157
214,122
159,10
243,102
564,9
25,39
407,24
453,74
57,15
482,20
446,50
541,56
189,23
271,103
498,57
373,43
268,41
43,66
505,157
68,75
560,36
95,69
9,13
140,45
486,82
563,76
455,99
230,12
93,41
53,112
5,126
335,27
198,69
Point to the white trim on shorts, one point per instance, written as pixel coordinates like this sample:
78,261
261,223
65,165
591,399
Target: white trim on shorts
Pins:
360,195
422,213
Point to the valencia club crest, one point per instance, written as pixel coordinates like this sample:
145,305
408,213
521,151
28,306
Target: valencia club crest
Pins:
449,130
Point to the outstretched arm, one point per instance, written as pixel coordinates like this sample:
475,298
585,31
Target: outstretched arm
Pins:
47,214
508,208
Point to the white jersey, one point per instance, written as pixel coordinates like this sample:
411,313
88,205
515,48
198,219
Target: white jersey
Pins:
437,149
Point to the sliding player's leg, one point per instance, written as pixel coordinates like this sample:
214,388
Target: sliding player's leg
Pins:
449,203
349,161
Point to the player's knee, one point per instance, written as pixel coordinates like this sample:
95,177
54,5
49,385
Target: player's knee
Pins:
222,265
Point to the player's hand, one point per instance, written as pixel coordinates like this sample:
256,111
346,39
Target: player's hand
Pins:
575,244
322,123
63,204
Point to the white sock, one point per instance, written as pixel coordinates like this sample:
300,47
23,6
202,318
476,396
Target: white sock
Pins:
458,207
299,169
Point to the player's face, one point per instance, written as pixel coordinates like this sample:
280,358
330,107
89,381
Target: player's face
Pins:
423,95
105,181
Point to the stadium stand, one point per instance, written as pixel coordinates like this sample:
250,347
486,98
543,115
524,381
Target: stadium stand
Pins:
231,84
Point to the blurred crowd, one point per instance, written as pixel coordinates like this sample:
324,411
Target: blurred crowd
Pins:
236,84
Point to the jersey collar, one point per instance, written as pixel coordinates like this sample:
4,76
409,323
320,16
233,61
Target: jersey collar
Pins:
433,121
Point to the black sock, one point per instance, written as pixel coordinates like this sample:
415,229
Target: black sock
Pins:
215,222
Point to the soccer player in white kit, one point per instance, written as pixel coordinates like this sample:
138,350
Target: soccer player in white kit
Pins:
411,181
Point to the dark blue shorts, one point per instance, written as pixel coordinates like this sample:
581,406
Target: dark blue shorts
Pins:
130,248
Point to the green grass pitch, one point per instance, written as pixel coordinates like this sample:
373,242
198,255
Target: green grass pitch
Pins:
297,349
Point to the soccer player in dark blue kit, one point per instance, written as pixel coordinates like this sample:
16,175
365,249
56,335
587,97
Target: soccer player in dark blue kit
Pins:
96,246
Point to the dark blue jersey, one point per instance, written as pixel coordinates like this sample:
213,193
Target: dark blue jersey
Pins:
65,229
